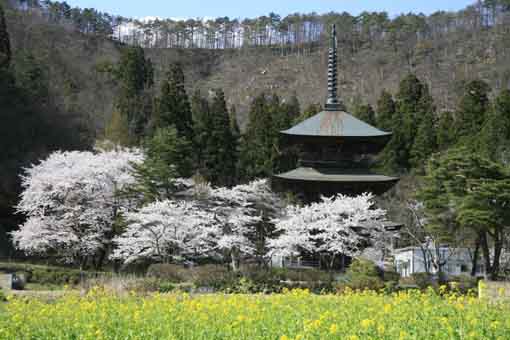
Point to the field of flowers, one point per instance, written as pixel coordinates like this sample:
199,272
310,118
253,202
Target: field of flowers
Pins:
293,315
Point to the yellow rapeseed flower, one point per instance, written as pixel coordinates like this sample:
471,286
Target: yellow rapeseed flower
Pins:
367,323
333,328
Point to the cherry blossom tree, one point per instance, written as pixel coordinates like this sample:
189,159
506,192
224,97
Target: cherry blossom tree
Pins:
206,221
334,226
167,231
71,202
243,213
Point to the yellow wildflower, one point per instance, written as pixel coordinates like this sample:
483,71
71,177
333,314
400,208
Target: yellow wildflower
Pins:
333,328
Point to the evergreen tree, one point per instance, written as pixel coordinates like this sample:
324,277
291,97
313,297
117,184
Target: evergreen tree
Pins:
395,156
365,113
220,149
234,126
414,104
5,44
445,131
166,159
282,116
386,109
32,78
310,111
201,129
494,139
117,129
472,109
463,187
258,141
236,140
292,110
173,106
135,75
425,142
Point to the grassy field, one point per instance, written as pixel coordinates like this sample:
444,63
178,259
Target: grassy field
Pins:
294,315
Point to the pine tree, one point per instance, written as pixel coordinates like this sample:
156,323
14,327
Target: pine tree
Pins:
134,102
284,157
201,116
220,154
166,159
446,131
173,107
5,45
31,77
236,140
117,129
257,141
465,187
310,111
365,113
395,156
472,109
414,104
292,108
386,109
234,126
494,139
425,142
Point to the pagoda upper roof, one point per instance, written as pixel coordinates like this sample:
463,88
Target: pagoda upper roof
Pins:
334,124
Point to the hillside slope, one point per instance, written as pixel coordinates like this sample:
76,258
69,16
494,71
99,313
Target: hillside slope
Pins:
445,63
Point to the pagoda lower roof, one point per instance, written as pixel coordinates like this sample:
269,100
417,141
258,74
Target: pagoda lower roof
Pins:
333,175
335,124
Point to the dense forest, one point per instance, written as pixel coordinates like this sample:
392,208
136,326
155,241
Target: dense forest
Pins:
207,98
293,31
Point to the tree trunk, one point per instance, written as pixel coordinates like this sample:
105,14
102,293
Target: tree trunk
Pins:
332,262
498,247
474,260
486,253
234,261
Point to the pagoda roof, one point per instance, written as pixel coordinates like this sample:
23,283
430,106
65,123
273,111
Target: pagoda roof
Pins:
334,124
333,175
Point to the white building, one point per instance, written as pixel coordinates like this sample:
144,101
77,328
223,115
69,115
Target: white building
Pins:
454,261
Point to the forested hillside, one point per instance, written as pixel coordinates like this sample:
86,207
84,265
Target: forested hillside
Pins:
284,55
85,75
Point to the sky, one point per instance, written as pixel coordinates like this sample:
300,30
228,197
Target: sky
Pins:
254,8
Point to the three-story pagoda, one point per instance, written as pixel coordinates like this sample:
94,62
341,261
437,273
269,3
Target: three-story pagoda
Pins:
336,150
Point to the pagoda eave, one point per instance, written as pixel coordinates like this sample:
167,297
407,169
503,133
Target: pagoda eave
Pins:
315,182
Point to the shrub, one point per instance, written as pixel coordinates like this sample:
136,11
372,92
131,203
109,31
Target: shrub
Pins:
167,271
303,275
463,283
391,276
47,275
166,287
214,276
422,280
56,276
362,274
2,296
18,281
142,284
364,267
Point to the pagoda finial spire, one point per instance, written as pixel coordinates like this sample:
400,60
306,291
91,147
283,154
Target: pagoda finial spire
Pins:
333,104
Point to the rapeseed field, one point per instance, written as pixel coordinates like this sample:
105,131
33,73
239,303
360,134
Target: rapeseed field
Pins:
294,315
